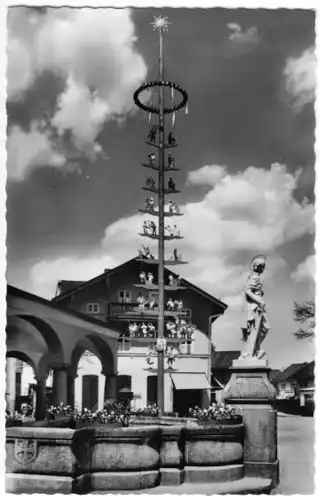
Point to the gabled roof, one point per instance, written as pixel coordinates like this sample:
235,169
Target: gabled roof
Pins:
65,286
223,359
273,374
92,281
290,372
110,272
307,371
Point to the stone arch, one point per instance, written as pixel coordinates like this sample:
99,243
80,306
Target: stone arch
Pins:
99,348
22,356
106,356
105,376
25,339
48,333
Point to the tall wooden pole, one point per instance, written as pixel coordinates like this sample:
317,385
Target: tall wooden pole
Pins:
160,364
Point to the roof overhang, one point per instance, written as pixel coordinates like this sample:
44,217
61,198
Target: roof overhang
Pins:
190,381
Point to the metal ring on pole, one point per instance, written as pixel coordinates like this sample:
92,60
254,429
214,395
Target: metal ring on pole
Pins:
158,83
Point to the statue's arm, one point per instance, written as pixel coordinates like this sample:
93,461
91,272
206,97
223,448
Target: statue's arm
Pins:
255,298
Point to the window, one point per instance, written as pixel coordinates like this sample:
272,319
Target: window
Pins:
124,296
124,344
93,308
185,348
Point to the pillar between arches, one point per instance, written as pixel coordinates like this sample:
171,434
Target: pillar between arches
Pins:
60,385
40,397
71,376
110,386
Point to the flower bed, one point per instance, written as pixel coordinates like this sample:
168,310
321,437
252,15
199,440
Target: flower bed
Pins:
20,418
216,415
147,411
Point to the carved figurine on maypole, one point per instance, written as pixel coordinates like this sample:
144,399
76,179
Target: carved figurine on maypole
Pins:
152,134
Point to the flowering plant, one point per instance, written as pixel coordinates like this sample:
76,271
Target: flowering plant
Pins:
116,413
215,412
148,411
60,410
26,410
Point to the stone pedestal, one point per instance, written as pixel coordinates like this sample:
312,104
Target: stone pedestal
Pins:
171,456
250,389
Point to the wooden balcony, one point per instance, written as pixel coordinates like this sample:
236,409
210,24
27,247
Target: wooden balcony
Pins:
131,312
150,337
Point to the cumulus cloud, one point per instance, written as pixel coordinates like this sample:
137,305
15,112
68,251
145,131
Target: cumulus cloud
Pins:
300,79
27,150
93,50
305,271
241,214
207,175
46,274
251,210
250,36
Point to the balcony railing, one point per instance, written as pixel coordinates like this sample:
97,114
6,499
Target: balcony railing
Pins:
131,311
150,336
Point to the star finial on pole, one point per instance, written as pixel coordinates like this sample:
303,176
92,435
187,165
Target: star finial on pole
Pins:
160,23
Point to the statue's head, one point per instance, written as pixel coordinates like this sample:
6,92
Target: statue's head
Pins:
259,263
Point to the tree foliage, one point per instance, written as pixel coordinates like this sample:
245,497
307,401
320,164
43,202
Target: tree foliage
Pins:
304,314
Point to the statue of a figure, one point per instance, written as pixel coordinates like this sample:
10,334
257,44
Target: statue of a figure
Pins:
150,183
176,256
257,327
150,278
171,354
149,358
152,134
149,204
151,158
171,139
171,161
171,184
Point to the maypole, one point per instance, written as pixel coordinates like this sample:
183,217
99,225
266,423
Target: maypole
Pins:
160,350
161,24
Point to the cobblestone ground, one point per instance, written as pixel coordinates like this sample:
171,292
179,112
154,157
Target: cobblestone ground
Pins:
296,455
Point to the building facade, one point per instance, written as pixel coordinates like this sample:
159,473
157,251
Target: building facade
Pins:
296,387
114,298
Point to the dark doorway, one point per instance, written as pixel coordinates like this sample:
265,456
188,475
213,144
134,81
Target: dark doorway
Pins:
90,392
151,395
185,399
124,381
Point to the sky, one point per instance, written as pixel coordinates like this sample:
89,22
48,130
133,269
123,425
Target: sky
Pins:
75,144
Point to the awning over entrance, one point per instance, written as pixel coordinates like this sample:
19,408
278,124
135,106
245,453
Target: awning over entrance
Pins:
191,381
